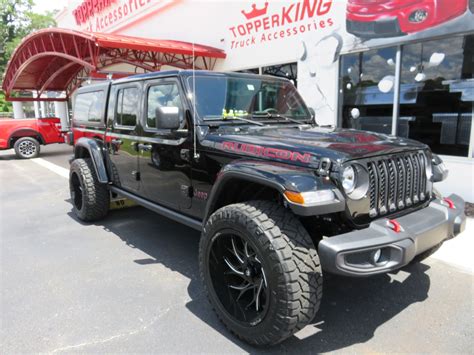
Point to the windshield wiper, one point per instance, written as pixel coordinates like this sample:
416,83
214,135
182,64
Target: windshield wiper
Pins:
278,115
237,118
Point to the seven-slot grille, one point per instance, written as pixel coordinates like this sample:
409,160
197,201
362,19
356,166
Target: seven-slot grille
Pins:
397,182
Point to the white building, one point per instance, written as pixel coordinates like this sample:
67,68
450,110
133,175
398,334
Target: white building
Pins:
403,67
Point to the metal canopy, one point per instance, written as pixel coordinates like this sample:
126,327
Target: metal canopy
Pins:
57,59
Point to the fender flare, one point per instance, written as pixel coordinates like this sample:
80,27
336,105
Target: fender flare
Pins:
25,132
95,149
280,177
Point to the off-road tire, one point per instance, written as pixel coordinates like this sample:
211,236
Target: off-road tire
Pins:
27,148
95,197
290,261
426,254
115,174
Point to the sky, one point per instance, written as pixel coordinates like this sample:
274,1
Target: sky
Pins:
41,6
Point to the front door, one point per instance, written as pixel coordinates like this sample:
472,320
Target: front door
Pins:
164,154
122,139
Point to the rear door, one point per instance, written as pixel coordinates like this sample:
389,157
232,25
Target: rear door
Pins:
122,137
164,154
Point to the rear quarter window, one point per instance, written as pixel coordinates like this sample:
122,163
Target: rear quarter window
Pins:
127,107
89,107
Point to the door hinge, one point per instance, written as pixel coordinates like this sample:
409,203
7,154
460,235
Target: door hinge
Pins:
137,175
187,191
184,155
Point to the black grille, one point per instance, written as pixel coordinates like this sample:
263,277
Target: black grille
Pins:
396,182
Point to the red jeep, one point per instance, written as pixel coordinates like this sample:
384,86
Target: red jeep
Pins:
389,18
26,135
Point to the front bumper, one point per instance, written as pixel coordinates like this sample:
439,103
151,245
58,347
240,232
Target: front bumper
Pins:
386,27
353,253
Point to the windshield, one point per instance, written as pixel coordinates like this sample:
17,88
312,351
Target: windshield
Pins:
231,97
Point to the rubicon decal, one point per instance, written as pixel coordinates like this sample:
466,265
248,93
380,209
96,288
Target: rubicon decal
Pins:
264,24
260,151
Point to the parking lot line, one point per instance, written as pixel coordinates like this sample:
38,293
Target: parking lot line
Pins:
52,167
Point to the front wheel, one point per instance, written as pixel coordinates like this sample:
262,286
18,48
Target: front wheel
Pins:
90,198
27,148
261,271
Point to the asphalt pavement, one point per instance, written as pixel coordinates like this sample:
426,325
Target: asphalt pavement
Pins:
129,284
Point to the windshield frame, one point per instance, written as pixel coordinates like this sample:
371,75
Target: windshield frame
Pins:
188,83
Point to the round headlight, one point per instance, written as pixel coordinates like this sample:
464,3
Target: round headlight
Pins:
348,179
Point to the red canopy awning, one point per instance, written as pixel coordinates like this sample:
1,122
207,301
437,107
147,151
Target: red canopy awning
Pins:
57,59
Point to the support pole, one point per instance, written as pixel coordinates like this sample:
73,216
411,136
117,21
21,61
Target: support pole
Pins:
18,110
396,94
37,109
60,110
43,108
36,105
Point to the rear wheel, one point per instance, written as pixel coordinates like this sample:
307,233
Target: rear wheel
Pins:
90,198
26,148
260,270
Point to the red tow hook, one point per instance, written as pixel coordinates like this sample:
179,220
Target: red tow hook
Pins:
450,203
394,225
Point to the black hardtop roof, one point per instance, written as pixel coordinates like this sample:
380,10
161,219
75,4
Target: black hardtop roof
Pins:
168,73
188,73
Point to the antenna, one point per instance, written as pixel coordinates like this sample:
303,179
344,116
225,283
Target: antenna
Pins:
196,155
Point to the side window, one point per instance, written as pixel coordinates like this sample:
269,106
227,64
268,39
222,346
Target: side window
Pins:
112,105
163,95
89,107
127,107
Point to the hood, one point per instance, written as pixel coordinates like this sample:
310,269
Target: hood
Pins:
305,144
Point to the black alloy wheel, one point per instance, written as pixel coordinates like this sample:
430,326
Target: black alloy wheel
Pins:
76,191
238,277
90,198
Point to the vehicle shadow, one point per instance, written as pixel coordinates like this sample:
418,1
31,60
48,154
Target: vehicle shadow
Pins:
8,155
45,152
351,309
57,153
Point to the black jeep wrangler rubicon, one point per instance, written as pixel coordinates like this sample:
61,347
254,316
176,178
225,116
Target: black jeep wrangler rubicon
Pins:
279,200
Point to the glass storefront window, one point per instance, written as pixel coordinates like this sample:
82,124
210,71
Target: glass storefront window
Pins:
367,85
249,71
289,71
437,91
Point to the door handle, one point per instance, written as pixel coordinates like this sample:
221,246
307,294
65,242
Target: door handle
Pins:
117,141
145,147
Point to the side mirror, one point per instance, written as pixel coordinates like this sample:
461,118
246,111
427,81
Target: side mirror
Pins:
168,118
312,113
